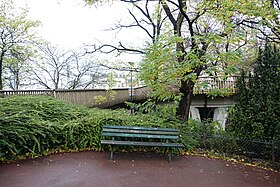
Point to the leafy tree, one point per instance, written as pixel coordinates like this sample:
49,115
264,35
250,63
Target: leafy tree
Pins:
194,38
16,35
16,71
268,27
257,114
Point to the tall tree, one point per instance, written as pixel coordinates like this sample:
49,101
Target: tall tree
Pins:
16,34
256,113
55,68
200,37
15,71
268,26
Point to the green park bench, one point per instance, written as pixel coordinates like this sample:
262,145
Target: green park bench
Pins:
140,136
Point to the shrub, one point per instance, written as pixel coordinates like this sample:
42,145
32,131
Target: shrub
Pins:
33,125
256,114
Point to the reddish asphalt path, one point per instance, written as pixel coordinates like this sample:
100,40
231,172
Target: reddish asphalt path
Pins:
86,169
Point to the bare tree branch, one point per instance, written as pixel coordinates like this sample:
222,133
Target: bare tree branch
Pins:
108,48
121,68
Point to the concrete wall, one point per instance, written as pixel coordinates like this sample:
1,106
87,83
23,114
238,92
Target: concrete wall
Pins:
87,97
204,101
220,105
113,97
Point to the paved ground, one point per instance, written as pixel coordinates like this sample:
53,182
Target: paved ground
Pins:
132,169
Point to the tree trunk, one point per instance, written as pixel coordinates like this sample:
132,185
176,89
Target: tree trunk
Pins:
183,109
17,80
1,69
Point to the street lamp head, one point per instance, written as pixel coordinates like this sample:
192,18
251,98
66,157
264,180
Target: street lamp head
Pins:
131,64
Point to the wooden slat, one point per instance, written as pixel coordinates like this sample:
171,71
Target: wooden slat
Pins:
152,144
128,135
140,128
140,131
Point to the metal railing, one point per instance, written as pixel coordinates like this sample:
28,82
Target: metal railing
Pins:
245,149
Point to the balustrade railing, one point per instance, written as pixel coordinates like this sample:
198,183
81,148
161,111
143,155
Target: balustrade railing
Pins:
205,85
7,93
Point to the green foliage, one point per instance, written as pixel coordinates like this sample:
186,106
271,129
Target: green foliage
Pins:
17,33
210,137
256,114
209,128
161,110
213,43
32,126
224,92
41,108
148,106
160,69
83,133
110,94
100,99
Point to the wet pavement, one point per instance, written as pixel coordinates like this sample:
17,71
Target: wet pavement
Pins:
132,169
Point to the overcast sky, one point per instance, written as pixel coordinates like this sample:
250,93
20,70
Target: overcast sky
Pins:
70,24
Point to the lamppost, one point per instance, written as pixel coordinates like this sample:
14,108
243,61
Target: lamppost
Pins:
131,84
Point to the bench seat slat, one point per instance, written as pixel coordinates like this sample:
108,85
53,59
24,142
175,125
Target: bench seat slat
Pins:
140,128
129,135
134,143
140,131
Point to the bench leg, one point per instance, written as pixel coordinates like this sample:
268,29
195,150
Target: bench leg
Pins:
111,153
169,154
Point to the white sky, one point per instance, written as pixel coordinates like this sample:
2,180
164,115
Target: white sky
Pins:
70,24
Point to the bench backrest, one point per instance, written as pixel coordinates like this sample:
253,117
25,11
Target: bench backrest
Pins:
140,132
